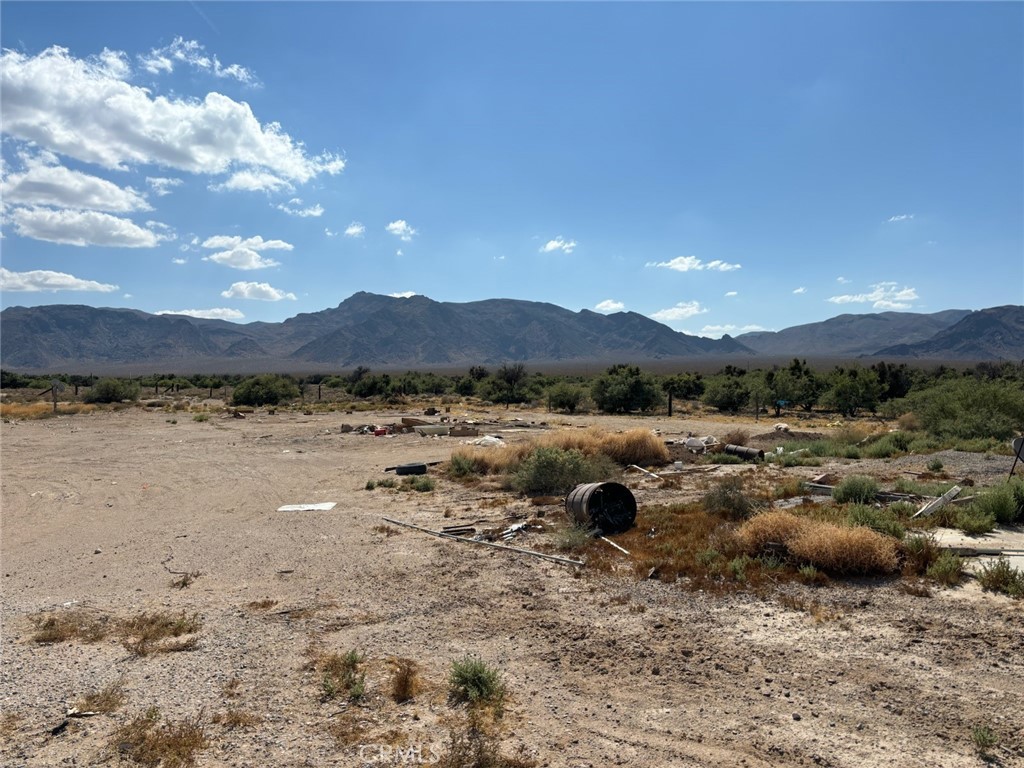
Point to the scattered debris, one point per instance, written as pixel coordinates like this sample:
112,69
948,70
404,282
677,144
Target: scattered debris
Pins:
646,472
781,427
936,504
700,444
744,452
487,440
532,553
608,507
609,541
326,506
412,468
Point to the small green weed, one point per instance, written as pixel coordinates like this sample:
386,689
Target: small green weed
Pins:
999,576
472,680
855,489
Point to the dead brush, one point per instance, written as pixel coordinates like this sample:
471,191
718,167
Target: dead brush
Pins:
172,744
231,719
811,607
405,682
107,699
735,437
63,627
342,675
142,634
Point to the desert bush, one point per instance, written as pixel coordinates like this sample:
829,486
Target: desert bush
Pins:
968,408
571,538
625,388
107,699
935,465
947,569
236,718
999,576
142,634
837,550
71,625
973,521
472,680
727,499
735,437
920,551
268,389
564,397
173,744
636,446
855,489
881,520
553,470
342,675
111,391
1004,503
420,483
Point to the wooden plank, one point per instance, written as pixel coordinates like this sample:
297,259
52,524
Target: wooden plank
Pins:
935,505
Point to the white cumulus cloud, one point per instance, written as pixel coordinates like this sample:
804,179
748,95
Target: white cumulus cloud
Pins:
693,264
681,311
193,54
610,305
60,187
402,295
86,109
216,313
900,217
244,254
292,209
256,291
559,244
842,280
800,290
884,296
399,229
356,229
730,294
86,228
45,280
179,261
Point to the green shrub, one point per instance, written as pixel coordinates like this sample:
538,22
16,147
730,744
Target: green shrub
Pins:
934,465
856,489
881,520
625,388
555,470
572,538
999,576
112,391
726,499
984,738
200,417
966,408
421,484
947,569
1004,503
920,551
342,675
564,397
472,680
973,521
268,389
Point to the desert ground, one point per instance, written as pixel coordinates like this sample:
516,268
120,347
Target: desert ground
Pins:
104,512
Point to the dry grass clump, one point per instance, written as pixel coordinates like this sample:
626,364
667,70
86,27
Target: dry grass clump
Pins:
735,437
846,551
236,718
71,625
42,410
143,634
173,744
106,699
342,675
831,548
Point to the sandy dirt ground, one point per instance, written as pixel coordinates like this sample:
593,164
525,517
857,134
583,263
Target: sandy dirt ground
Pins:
600,670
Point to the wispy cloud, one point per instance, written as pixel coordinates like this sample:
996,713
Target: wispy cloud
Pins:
329,233
243,254
399,252
401,230
900,217
693,264
402,295
681,311
256,291
355,229
46,183
717,331
179,262
192,54
842,280
730,294
44,280
558,244
885,296
304,213
610,305
162,186
800,290
216,313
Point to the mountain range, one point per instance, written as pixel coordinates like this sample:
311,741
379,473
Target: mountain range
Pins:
384,332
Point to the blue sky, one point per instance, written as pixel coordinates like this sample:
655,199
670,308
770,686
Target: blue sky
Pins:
719,167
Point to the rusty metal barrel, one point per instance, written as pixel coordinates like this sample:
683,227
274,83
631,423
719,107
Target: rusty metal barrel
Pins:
609,507
743,452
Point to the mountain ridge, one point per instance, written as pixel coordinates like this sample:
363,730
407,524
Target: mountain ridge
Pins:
385,331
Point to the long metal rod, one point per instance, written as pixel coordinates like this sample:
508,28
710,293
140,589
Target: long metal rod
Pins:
439,534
